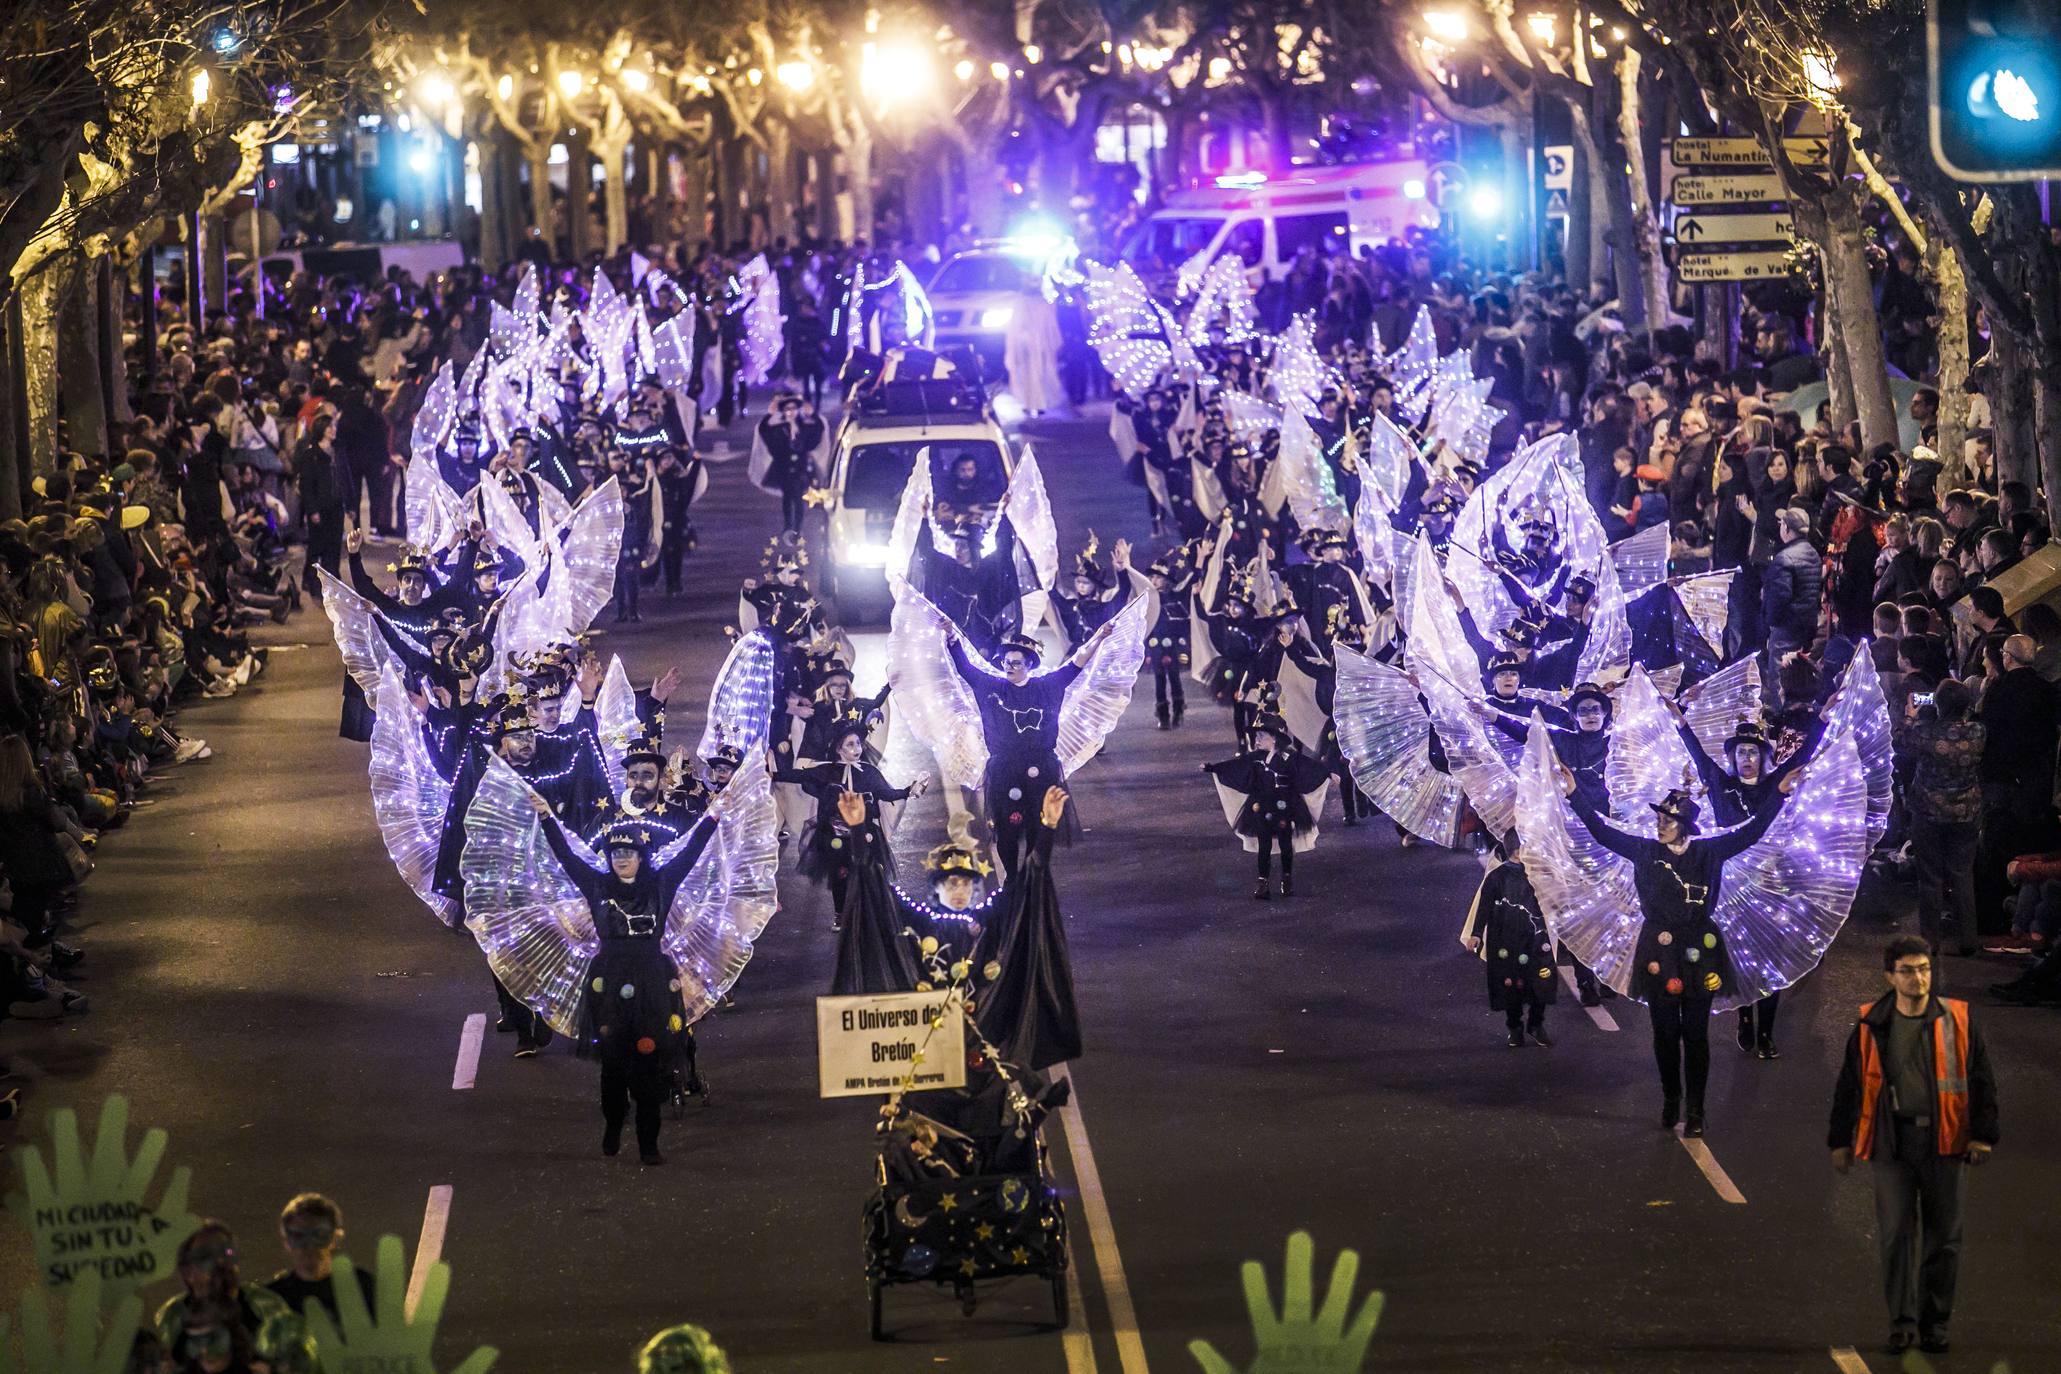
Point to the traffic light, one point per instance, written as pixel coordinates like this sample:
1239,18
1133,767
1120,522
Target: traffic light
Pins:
1994,83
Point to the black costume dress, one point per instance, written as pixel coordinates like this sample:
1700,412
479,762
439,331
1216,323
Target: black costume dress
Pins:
1021,728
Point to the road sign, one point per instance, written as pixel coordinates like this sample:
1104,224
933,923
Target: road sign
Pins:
1559,166
1694,229
1752,265
1740,188
1745,152
1556,203
1448,185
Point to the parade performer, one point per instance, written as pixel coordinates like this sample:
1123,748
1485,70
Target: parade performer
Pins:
1097,594
1167,642
1507,929
1272,795
825,851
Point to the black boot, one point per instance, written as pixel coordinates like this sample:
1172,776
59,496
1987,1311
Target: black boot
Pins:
1746,1029
1692,1129
1264,892
1164,716
1516,1037
612,1138
1670,1112
1287,885
1538,1033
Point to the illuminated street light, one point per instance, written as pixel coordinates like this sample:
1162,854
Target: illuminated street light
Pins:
202,84
1543,27
1485,203
506,87
1446,25
636,79
421,160
571,83
999,70
796,75
1033,54
1219,70
1819,75
755,76
435,90
895,73
963,69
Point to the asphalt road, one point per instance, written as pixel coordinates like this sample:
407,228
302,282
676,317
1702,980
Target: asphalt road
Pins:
266,988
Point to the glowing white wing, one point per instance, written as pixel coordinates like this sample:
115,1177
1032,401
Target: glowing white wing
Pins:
409,798
1647,757
1030,514
935,701
583,565
1390,459
1126,331
740,703
1585,891
1408,369
726,902
506,522
1718,703
435,514
1641,561
438,414
1861,711
1385,734
1707,598
909,518
355,624
1095,700
615,720
1306,479
760,340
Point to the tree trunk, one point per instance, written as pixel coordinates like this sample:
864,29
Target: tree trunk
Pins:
1718,320
541,218
1576,264
781,195
1280,139
1854,316
493,217
1645,227
2048,379
109,288
40,302
14,437
1950,291
579,188
79,386
2013,418
214,268
858,170
612,149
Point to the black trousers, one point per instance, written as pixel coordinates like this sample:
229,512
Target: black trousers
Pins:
1681,1045
628,570
1759,1017
530,1028
1166,690
1242,715
1286,844
672,554
1918,1225
793,506
1521,1006
325,550
642,1080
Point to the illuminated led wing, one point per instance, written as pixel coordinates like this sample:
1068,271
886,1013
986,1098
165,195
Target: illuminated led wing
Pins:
934,700
506,522
438,414
1376,535
1717,704
1188,276
1126,330
1223,299
554,511
409,798
1248,414
1585,891
615,720
1641,560
1608,650
583,566
740,704
1463,418
1707,599
1409,367
1437,642
531,921
356,626
505,333
909,518
503,400
1095,700
1862,712
760,340
1187,362
1305,479
1545,476
1476,757
1385,734
1390,459
1786,897
1298,375
730,896
1647,758
435,514
528,296
1029,509
672,355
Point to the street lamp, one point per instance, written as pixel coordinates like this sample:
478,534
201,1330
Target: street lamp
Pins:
1820,76
1543,26
505,87
999,70
202,84
571,83
1446,26
636,79
435,90
895,73
963,69
795,75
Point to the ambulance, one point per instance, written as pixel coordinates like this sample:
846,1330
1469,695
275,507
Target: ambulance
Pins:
1266,220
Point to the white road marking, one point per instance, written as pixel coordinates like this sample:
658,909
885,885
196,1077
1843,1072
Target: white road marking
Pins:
1603,1019
1109,1264
436,1217
469,1041
1713,1171
1848,1361
1077,1340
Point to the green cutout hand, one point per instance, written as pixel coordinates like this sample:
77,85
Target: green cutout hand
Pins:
1296,1342
392,1341
81,1351
92,1217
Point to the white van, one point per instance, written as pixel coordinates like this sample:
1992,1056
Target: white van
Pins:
1267,221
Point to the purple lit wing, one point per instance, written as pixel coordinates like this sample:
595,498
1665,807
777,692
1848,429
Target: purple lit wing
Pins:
356,627
1861,711
511,530
934,700
1029,509
530,920
909,518
435,514
583,566
1437,643
1608,650
672,356
437,415
1124,328
615,720
504,331
1409,367
1311,491
1707,599
1475,756
1095,700
1223,297
1297,375
1386,737
1721,701
1584,890
527,296
1646,754
409,799
1375,534
1786,897
730,896
1389,460
1641,560
740,704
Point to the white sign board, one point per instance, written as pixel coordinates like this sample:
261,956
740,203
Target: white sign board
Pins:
869,1043
1559,166
1739,188
1692,230
1745,152
1760,265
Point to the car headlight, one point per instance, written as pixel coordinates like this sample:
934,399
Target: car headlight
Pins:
997,316
866,555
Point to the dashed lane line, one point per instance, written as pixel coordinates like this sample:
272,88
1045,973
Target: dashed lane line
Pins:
466,1072
1713,1171
1848,1360
1109,1264
436,1217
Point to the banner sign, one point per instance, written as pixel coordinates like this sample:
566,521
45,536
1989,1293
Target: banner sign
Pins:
870,1043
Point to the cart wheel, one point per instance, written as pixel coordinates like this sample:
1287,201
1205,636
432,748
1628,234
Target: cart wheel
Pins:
968,1299
873,1292
1062,1315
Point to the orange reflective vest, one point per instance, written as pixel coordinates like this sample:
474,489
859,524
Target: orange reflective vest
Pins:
1949,1080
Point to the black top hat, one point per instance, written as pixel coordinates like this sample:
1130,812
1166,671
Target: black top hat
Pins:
1680,806
1274,725
514,718
627,834
951,860
1749,731
1501,663
1020,643
1589,691
1085,564
728,754
1582,587
644,748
